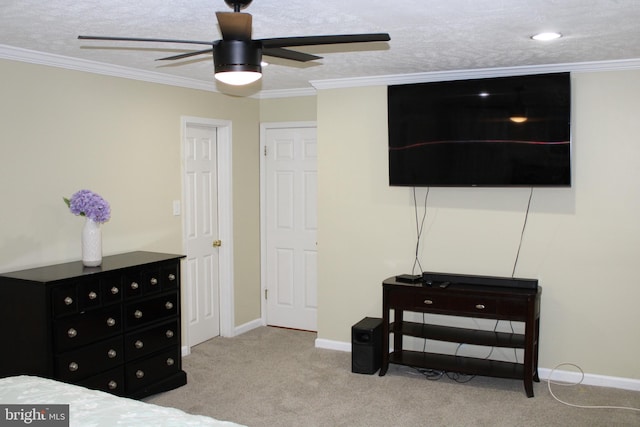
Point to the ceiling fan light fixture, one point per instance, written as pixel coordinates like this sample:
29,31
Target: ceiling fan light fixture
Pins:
238,78
237,62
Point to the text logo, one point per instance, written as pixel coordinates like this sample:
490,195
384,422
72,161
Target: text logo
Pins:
34,415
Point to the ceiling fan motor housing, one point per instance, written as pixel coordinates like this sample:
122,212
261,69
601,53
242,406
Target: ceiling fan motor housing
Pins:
238,5
237,55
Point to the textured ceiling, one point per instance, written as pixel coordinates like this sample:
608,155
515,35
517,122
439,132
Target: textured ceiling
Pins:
426,35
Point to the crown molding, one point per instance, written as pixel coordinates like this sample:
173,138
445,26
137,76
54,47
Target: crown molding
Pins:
434,76
287,93
53,60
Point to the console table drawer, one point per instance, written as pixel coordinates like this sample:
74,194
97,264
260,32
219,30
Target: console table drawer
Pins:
473,306
419,301
425,301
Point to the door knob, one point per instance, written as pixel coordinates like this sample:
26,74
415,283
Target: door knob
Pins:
217,243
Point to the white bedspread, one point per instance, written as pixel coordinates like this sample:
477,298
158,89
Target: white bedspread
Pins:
89,408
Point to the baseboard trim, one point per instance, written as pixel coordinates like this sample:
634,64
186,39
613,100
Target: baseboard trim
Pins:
254,324
544,373
589,379
333,345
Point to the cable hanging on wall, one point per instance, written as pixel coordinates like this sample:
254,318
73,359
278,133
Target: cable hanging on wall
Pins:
419,228
524,226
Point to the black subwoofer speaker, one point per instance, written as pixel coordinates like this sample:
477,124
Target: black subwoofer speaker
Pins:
366,346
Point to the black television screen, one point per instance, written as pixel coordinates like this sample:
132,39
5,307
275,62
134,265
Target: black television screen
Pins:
504,131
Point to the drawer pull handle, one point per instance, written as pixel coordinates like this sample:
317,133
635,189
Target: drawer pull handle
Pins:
115,290
168,305
480,306
112,353
137,314
428,302
139,374
72,333
111,321
93,295
73,366
68,301
153,281
134,285
112,385
138,344
169,333
170,362
172,277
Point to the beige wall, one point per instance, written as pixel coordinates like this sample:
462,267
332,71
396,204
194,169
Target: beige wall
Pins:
65,130
581,243
293,109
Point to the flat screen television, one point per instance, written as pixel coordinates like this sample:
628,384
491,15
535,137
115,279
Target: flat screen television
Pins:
501,132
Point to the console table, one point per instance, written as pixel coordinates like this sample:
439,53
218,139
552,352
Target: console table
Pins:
114,328
467,296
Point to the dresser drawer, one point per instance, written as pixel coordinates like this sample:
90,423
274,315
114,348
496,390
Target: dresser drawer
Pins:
84,328
147,341
140,374
142,312
132,284
65,300
111,381
111,288
87,361
85,295
169,277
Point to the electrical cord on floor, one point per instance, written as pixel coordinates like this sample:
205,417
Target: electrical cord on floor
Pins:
550,381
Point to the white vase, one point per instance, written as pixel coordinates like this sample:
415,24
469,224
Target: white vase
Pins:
91,243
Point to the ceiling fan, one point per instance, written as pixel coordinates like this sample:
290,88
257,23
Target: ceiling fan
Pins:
237,57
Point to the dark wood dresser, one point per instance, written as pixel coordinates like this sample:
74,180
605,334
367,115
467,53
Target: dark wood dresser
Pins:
114,328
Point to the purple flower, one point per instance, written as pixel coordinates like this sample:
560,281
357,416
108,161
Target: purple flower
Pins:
89,204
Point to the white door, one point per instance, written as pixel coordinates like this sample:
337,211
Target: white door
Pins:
201,232
291,227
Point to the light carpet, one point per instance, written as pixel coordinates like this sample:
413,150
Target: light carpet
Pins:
276,377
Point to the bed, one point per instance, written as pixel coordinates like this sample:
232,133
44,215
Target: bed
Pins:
89,408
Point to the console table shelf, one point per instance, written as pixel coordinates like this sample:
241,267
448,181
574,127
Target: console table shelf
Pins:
459,364
458,335
463,296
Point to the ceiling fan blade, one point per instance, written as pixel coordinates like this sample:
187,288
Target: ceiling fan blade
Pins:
279,52
234,25
318,40
138,39
186,55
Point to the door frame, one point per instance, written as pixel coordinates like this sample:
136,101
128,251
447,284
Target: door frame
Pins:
263,198
225,217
